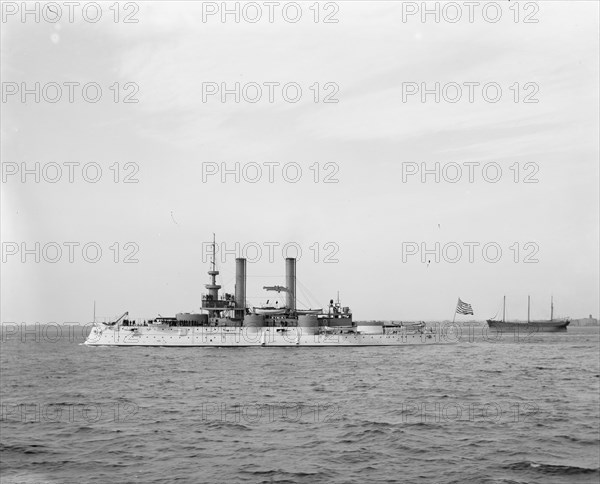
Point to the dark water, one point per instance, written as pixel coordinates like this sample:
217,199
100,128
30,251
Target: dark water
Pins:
490,412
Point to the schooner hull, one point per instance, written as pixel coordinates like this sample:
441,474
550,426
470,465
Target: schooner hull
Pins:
530,327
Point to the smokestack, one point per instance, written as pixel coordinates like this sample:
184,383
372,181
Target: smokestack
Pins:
240,288
290,282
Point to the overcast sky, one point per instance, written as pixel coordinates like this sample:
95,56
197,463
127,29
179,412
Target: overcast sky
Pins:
366,141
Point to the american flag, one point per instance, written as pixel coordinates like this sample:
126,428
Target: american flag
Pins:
463,308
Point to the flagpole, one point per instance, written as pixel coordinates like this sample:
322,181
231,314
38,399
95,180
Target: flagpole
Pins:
454,317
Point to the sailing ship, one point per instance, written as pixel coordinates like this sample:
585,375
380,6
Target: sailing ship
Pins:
531,326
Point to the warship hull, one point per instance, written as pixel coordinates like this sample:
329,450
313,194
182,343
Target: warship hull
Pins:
265,337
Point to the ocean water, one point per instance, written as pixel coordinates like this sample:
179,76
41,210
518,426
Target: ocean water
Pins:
516,410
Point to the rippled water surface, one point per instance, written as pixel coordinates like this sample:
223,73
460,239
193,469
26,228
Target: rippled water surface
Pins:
480,411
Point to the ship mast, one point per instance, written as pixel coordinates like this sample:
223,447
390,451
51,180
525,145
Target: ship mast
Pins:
528,307
551,308
504,309
213,253
213,287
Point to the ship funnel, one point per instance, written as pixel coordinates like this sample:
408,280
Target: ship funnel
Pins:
240,288
290,282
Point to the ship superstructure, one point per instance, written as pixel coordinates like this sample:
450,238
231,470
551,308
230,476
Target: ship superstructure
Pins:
226,320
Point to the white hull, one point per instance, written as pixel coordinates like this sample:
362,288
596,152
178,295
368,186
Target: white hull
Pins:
248,336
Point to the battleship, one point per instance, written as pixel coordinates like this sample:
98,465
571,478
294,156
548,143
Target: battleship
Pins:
531,326
226,320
